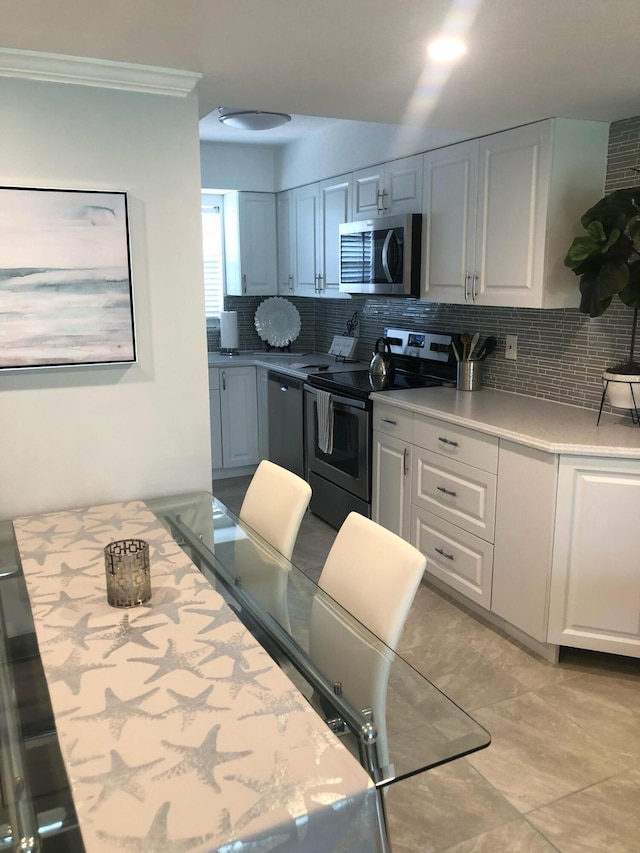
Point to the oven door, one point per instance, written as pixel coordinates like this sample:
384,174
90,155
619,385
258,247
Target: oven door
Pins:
349,464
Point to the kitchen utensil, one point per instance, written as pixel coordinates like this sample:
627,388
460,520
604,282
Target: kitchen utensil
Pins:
455,350
474,341
465,340
381,367
487,348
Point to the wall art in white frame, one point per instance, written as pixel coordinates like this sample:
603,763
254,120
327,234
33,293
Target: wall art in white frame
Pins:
66,294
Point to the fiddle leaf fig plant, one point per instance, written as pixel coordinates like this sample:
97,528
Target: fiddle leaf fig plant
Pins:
607,259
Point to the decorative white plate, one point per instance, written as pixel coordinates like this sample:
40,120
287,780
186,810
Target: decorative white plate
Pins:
277,321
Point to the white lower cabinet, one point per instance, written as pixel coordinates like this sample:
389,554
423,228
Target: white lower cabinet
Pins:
234,417
595,592
391,483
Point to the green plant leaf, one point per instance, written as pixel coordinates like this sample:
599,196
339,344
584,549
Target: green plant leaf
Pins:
630,294
590,303
613,278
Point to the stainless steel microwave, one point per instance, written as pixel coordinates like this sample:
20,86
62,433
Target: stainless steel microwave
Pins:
381,257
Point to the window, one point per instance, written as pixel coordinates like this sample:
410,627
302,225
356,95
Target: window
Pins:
213,252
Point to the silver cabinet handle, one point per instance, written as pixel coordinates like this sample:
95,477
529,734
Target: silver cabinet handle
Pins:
405,459
475,286
224,381
467,279
447,441
444,554
244,282
446,491
389,421
380,205
290,283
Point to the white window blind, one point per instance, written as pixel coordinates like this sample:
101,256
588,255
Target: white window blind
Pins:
213,252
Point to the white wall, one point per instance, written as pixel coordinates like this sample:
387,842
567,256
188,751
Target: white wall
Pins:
349,147
226,166
79,436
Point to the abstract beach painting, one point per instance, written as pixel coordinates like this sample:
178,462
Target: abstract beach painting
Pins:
65,278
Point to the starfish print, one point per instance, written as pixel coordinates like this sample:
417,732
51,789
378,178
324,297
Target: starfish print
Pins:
220,617
168,604
117,711
189,706
71,749
178,571
76,634
126,633
119,777
72,670
64,573
318,740
200,584
279,706
279,791
156,838
202,760
64,602
170,662
232,648
240,678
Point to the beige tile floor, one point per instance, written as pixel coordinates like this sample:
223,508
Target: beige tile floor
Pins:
563,769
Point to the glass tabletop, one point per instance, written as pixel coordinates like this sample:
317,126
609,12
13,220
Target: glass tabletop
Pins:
387,713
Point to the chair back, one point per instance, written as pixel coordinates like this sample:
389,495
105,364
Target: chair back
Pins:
274,505
373,574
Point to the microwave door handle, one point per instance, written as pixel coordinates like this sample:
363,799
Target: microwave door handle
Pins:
385,255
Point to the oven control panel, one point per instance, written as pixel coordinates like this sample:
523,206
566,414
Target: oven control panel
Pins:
429,346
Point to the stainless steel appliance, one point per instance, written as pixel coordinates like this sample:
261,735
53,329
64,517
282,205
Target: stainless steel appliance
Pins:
340,475
381,256
286,421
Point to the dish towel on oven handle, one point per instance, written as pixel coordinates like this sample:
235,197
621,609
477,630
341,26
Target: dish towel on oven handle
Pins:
325,421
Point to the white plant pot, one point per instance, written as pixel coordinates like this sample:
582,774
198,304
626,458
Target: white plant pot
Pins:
623,390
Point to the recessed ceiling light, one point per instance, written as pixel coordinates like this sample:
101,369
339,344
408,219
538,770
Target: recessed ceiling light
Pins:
251,119
446,49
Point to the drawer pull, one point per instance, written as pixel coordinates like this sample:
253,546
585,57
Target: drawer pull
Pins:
389,421
446,491
444,554
447,441
405,459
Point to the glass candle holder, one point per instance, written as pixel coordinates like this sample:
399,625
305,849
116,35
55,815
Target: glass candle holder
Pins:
128,572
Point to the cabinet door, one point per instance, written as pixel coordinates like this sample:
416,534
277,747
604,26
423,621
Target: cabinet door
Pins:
514,174
239,415
305,223
595,582
250,244
284,227
214,417
459,559
449,235
391,501
335,208
368,186
402,191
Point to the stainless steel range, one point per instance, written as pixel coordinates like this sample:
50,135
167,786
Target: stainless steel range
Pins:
338,420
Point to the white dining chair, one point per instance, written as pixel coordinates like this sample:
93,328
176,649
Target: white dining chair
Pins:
274,505
374,574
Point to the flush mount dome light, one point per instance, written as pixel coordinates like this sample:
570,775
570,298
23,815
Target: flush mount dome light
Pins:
252,119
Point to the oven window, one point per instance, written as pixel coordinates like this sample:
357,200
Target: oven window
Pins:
346,456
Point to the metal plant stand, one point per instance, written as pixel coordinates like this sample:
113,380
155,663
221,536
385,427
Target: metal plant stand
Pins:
635,412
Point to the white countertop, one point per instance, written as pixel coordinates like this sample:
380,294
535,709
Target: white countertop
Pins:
542,424
298,364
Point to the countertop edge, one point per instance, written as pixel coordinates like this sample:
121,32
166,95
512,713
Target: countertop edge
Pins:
528,439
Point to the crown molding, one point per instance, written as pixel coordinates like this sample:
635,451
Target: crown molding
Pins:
101,73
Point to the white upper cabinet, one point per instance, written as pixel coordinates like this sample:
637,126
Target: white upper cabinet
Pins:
388,189
284,229
335,208
317,212
501,212
250,244
306,213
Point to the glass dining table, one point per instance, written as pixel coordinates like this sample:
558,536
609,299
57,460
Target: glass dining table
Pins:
391,717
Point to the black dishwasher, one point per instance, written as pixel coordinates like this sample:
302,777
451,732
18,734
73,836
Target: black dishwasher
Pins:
286,422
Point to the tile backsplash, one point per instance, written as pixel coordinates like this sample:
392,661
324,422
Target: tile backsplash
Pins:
561,353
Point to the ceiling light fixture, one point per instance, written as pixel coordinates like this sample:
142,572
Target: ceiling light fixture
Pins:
446,49
251,119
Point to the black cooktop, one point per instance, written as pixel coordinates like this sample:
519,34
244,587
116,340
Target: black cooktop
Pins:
358,383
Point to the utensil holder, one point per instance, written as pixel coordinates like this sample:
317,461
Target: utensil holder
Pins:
469,375
128,572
